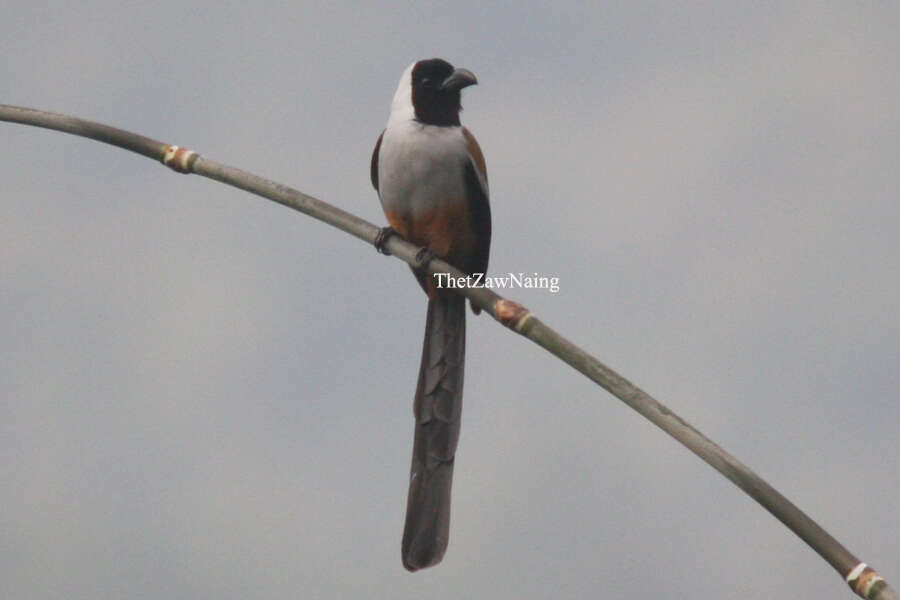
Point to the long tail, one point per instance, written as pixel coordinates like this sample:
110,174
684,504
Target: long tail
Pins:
437,410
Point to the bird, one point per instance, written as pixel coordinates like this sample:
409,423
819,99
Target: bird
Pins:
432,183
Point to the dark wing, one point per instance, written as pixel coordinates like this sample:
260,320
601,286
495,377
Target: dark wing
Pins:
480,213
479,207
373,169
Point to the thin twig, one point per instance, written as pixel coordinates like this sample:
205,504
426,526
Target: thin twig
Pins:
862,579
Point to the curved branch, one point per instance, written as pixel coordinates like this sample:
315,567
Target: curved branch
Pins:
861,578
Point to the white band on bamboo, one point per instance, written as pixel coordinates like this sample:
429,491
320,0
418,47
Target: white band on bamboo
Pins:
179,159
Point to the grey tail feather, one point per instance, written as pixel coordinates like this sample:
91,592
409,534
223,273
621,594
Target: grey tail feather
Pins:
437,409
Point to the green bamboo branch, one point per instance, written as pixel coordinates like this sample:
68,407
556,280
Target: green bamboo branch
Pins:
862,579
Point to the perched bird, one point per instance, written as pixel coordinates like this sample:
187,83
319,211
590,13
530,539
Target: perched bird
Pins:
430,177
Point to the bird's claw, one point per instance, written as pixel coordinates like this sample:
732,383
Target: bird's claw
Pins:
381,239
424,256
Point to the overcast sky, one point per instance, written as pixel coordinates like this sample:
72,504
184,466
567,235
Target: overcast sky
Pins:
204,394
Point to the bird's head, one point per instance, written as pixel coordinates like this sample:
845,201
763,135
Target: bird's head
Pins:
430,90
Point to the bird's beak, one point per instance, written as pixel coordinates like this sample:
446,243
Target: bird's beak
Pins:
458,79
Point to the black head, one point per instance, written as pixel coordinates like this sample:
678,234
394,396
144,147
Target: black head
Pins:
436,89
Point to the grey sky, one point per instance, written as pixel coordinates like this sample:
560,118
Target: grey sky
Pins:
206,395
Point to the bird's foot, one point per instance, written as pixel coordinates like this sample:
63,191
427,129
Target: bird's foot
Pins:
381,239
424,256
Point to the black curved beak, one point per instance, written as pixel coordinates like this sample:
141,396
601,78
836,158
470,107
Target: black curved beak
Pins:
458,79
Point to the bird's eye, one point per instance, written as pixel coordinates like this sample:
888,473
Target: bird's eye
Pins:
425,82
